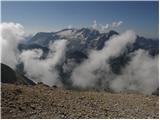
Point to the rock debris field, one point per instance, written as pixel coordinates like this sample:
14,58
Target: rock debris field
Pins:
41,101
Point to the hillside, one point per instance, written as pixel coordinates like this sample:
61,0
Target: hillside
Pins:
41,101
8,75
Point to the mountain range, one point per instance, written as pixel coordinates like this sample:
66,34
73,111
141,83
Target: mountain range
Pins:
80,43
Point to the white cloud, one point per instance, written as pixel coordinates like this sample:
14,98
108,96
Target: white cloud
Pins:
70,26
141,74
43,70
11,35
104,28
119,23
94,25
85,75
116,24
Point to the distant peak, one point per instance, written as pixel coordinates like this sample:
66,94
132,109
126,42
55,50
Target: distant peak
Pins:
66,29
113,32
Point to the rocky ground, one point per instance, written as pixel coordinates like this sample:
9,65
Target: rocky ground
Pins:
40,101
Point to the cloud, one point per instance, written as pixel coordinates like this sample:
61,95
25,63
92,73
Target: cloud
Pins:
94,25
44,70
104,28
89,72
119,23
70,26
11,35
36,68
116,24
141,74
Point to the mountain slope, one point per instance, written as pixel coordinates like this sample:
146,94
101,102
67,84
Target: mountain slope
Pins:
8,75
40,101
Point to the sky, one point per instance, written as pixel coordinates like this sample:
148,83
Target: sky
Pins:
44,16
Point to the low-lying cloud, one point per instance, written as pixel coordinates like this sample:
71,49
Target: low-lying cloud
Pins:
87,74
44,70
140,74
11,35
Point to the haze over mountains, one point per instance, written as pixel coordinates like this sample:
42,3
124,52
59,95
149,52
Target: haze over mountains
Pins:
84,58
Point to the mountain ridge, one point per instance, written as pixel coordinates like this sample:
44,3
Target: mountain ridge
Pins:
80,43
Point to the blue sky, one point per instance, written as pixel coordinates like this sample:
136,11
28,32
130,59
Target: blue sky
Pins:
142,17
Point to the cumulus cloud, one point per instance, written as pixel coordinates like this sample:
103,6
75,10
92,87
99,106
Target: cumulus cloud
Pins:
116,24
70,26
36,68
141,74
11,35
87,74
104,28
119,23
44,70
94,25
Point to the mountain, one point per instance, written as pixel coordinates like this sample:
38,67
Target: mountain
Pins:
80,42
8,75
84,39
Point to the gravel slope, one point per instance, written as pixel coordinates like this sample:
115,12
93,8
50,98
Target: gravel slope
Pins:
40,101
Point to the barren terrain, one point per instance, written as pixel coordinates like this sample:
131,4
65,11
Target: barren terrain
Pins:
41,101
